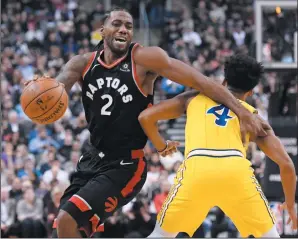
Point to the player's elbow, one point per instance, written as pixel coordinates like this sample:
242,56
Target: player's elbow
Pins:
286,165
143,118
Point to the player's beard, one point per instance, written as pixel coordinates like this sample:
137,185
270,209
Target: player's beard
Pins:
119,52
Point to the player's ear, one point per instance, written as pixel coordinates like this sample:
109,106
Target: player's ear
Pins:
101,30
250,93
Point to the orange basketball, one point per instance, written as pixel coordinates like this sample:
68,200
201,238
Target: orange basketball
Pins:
44,100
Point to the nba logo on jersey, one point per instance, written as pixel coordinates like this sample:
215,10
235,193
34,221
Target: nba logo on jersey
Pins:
124,68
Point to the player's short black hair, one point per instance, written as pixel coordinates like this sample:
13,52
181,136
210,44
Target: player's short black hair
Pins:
242,72
106,17
114,9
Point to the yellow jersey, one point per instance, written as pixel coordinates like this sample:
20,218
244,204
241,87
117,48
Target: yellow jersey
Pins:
215,173
211,125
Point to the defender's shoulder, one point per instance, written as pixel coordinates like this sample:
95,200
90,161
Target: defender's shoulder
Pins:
249,107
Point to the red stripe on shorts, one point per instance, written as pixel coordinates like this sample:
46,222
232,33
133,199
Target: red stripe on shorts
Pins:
135,179
80,203
54,224
100,228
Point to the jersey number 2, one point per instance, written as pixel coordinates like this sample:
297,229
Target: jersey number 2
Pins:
107,105
221,113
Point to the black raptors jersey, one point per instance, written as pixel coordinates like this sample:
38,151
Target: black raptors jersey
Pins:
113,101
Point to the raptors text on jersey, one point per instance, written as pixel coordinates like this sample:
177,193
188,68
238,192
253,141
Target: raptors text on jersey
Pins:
112,100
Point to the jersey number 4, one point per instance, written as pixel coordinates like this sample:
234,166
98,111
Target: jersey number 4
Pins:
221,113
104,110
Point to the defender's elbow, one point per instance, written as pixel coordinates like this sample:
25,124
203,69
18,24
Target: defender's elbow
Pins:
287,165
143,118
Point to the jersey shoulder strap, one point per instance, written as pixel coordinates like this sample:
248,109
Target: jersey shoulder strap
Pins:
89,64
249,107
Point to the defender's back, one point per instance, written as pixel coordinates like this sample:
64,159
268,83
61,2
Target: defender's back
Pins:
213,129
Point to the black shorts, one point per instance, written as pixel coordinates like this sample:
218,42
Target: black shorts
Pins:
103,183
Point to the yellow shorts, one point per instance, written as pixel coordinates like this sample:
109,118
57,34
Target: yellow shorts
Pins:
204,182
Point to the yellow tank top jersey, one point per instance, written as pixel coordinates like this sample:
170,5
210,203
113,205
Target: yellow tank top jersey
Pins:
211,125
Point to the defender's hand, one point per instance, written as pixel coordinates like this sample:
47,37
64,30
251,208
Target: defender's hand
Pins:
250,123
171,148
292,215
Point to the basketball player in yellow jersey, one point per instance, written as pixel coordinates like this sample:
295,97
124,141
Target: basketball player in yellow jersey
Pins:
215,171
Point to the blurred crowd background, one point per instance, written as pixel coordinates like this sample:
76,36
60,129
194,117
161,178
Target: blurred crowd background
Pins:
39,37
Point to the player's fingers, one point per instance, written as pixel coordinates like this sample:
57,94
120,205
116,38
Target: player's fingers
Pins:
169,152
262,132
176,143
243,135
62,84
289,220
173,150
283,206
36,76
27,83
163,154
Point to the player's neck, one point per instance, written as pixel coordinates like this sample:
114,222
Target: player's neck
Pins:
237,94
109,57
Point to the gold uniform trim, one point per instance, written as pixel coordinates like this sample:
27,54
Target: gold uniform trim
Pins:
171,195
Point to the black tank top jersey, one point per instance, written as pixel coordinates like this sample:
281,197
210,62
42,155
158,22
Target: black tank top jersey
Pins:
113,101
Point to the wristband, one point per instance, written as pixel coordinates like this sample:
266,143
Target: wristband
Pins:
161,151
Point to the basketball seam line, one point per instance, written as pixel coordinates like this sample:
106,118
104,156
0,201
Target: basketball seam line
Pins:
39,95
52,106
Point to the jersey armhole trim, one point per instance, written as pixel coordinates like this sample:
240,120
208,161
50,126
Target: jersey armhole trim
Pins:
134,71
89,64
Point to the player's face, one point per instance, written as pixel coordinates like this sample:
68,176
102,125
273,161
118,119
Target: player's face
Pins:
118,32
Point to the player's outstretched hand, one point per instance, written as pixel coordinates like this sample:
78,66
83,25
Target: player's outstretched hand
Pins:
250,123
36,77
292,215
170,149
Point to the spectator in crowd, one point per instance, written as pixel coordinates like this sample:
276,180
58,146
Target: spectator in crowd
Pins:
52,204
29,211
56,173
161,197
223,224
141,221
38,144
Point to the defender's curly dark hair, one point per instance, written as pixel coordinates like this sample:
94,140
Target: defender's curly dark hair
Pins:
107,16
242,72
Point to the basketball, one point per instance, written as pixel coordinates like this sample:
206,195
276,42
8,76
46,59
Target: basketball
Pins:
44,100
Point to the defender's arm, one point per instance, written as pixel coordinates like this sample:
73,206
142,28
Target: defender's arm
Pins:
274,149
168,109
73,70
157,60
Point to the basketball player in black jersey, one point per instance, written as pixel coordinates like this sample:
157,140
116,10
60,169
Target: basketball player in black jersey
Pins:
117,85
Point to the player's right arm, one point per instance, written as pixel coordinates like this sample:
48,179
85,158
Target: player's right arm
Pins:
154,59
273,148
73,70
168,109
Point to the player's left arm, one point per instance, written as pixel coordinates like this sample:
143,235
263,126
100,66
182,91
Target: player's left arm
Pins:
274,149
155,59
168,109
